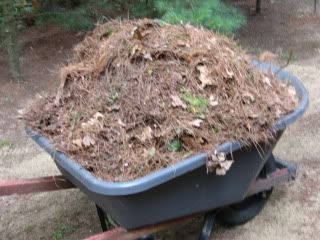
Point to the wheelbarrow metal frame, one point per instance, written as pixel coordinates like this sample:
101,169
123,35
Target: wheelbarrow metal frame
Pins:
285,172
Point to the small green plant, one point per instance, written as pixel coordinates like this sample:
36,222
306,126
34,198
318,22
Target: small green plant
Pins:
215,130
6,144
113,98
174,146
195,104
62,230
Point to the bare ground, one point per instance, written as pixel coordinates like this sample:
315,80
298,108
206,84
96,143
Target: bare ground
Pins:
293,210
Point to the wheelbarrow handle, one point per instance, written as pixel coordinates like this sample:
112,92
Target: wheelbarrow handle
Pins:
34,185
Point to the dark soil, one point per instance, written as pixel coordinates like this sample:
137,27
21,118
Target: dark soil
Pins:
139,96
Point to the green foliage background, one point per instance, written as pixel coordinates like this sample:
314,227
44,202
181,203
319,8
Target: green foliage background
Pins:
83,14
213,14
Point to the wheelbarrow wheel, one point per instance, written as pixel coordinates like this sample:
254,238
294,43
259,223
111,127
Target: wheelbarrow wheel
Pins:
243,212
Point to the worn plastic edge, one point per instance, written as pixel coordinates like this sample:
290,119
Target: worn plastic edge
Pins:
161,176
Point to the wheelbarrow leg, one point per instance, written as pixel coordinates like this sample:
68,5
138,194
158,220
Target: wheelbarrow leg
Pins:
102,218
208,225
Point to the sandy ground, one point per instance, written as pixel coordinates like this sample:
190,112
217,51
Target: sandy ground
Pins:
293,211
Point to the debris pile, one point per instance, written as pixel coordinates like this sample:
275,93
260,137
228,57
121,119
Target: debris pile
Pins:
141,95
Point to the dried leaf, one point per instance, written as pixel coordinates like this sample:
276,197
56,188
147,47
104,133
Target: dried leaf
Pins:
152,152
248,98
267,56
213,101
113,109
278,113
292,91
86,125
122,124
196,123
98,116
248,126
95,121
204,77
218,163
77,142
177,102
230,73
52,127
213,40
221,156
253,115
147,56
21,112
224,167
136,33
88,141
181,43
267,81
135,49
293,94
146,134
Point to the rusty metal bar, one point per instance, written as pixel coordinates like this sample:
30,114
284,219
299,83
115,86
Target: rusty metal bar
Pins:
34,185
123,234
109,235
274,179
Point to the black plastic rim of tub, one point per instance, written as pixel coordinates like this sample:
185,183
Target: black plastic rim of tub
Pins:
156,178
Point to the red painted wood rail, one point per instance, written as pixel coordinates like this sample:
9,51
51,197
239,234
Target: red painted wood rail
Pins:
34,185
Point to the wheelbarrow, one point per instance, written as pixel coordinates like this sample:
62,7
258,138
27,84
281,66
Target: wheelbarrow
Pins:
173,194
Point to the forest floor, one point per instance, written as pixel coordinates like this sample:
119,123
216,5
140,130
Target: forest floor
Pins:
293,211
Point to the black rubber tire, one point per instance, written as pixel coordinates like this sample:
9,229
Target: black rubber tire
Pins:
243,212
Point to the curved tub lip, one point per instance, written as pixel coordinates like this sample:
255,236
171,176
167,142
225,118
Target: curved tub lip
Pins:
161,176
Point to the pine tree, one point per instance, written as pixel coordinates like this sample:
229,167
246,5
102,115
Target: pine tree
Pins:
213,14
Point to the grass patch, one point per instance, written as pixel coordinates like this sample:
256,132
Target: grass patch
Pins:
61,231
6,144
7,100
288,56
29,228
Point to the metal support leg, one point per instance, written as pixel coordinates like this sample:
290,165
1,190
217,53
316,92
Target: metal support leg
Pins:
102,218
208,225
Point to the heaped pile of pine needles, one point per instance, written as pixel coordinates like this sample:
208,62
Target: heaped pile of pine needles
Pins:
141,95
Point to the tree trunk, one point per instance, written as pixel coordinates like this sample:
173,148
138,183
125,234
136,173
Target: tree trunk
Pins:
258,6
9,32
315,6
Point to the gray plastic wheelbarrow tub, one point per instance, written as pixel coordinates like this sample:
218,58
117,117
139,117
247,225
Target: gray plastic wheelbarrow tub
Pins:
184,188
